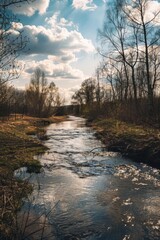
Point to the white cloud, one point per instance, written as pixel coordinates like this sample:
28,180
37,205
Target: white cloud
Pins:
67,58
30,8
84,5
55,38
46,41
54,70
62,22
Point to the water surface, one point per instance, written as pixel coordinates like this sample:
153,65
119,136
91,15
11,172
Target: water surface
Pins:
91,193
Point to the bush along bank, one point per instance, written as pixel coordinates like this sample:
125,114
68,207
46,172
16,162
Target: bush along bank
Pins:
141,144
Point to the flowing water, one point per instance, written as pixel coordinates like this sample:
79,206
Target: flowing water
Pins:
91,193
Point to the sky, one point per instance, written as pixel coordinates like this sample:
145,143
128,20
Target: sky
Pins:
62,41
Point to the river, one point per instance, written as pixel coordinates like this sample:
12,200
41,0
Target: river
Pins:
90,193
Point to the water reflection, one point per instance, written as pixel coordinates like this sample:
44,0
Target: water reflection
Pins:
96,194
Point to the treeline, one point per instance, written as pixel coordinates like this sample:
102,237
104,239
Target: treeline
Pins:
39,99
130,67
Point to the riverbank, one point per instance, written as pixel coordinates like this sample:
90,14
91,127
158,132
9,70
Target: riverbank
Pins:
142,144
20,141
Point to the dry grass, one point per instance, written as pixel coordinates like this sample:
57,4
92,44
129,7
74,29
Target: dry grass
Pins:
17,147
119,128
137,142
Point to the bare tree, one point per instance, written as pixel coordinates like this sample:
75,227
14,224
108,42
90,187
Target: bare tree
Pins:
114,75
91,96
87,93
41,97
113,38
11,45
130,38
136,12
122,38
6,94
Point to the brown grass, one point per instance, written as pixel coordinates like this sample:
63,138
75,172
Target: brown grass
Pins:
134,141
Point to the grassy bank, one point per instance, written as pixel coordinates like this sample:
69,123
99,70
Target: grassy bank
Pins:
17,147
139,143
19,143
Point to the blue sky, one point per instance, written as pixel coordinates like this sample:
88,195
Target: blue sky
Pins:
62,40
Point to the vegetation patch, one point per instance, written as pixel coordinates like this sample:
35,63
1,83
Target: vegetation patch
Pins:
17,149
139,143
